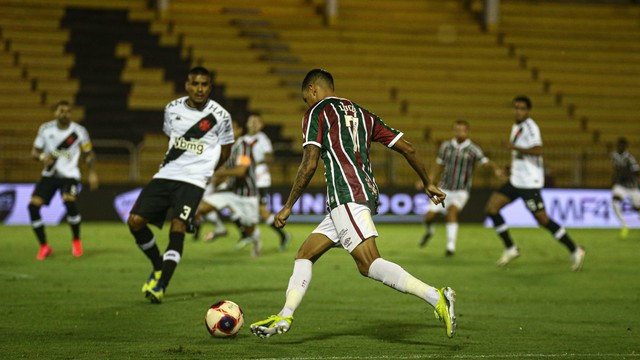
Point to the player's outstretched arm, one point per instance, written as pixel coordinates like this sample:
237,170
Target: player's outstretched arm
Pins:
410,154
310,158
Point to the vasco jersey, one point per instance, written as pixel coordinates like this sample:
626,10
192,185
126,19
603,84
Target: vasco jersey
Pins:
625,169
344,132
459,161
194,136
242,154
262,147
527,171
65,145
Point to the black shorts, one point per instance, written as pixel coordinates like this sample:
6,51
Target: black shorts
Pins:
532,198
263,196
160,195
47,187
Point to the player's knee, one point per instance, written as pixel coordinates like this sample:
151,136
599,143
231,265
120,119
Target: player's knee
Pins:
135,222
542,218
66,197
36,201
34,211
178,225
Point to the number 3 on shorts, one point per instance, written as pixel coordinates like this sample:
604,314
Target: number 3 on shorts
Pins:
186,210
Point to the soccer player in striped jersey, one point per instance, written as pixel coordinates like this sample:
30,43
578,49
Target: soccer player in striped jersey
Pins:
625,182
456,162
340,132
59,145
526,181
200,139
239,192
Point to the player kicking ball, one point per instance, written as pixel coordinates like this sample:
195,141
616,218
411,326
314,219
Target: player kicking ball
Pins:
341,132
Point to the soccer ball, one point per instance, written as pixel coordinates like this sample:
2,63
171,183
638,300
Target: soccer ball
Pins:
224,319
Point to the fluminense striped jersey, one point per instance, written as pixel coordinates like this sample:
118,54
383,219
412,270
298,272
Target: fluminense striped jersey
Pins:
625,169
459,161
242,154
344,132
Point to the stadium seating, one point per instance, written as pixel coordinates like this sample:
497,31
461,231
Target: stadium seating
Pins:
418,64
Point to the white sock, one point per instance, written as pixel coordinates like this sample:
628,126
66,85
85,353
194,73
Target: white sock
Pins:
617,209
298,285
396,277
452,235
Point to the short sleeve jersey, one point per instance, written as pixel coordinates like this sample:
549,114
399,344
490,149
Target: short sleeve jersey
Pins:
65,145
242,154
261,148
194,136
344,132
625,169
527,171
459,161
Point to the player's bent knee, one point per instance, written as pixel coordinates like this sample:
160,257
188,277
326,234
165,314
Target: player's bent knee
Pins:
68,197
136,222
36,201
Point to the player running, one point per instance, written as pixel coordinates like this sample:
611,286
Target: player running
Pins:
456,162
59,145
200,138
625,182
341,132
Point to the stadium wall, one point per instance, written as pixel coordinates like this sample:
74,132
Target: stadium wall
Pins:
571,207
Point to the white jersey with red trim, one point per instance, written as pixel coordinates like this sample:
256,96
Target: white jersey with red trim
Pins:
527,171
65,145
195,140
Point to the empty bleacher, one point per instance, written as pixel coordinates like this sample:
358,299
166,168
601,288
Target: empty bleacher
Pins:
419,64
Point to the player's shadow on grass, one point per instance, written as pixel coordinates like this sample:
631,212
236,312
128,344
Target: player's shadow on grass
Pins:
398,332
214,294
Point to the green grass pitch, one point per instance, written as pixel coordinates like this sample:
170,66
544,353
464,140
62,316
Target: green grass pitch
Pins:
92,307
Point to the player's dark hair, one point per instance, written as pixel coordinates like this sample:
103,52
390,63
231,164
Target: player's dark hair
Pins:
199,70
462,122
318,75
61,103
523,99
623,141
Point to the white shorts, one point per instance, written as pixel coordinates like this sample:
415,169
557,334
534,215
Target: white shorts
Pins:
245,207
623,192
348,224
457,198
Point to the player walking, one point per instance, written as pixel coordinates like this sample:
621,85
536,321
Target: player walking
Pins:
526,180
341,132
200,138
59,145
458,158
625,182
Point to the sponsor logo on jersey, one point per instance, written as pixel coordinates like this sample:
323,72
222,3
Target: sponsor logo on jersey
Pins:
194,146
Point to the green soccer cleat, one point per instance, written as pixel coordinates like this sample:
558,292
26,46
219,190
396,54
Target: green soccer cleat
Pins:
156,294
273,325
444,310
151,282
